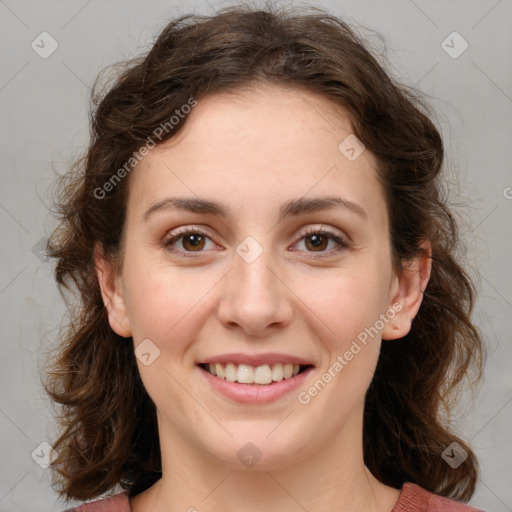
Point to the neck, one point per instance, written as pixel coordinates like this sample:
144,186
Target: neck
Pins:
331,479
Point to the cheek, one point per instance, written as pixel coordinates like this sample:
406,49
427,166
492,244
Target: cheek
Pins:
163,302
346,303
350,308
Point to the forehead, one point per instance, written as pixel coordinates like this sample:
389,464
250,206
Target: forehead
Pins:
264,122
255,145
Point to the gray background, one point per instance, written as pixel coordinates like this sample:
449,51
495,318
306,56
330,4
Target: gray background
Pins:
44,126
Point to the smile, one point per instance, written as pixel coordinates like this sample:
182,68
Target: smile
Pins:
254,379
247,374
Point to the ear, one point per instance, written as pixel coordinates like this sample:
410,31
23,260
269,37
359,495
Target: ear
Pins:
112,293
407,293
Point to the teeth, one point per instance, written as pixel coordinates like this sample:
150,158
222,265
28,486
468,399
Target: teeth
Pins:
277,372
247,374
230,372
219,370
263,374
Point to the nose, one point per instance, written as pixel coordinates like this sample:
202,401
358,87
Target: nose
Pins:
254,297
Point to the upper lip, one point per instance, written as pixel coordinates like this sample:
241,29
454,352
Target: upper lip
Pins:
256,359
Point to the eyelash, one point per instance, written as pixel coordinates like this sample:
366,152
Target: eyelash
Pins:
342,243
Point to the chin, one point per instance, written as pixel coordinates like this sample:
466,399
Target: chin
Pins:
259,451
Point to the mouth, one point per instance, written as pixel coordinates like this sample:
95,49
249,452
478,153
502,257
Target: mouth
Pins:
257,375
255,379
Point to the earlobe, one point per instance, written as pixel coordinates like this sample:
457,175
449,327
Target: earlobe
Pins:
112,293
408,293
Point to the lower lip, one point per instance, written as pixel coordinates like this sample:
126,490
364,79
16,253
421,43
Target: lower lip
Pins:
255,393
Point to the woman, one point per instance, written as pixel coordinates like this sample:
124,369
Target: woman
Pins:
269,298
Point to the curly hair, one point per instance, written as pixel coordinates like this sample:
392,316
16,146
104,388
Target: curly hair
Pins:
108,428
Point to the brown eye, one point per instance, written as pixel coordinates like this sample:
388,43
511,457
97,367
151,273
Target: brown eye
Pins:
188,241
318,242
193,242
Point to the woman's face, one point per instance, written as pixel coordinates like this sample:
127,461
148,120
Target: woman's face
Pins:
260,285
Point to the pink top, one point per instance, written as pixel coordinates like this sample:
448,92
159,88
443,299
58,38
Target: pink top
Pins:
413,498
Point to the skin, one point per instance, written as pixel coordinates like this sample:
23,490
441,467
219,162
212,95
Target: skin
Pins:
253,151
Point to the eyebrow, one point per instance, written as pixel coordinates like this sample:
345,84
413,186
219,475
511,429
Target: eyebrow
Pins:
293,207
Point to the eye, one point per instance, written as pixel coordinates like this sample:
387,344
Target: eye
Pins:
318,239
192,240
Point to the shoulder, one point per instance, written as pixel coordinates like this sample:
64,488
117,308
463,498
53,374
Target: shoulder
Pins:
118,503
414,498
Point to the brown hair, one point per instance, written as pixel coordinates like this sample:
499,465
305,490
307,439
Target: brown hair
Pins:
109,430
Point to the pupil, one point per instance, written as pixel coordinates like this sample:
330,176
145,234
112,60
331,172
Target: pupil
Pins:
316,240
193,240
